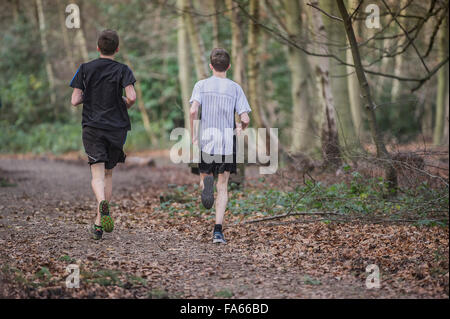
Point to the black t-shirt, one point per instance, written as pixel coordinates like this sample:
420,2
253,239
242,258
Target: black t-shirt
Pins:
102,82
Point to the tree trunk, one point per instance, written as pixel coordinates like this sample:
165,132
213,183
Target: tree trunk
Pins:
238,67
382,153
353,87
65,35
44,44
445,138
253,63
442,86
15,4
215,23
144,114
81,39
81,49
141,104
304,130
237,39
347,133
184,70
398,61
427,120
329,135
197,45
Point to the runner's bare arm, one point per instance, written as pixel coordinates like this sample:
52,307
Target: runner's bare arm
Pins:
130,95
193,115
77,97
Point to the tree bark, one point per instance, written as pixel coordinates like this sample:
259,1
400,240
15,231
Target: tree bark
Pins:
445,138
329,135
65,35
442,86
237,39
15,4
45,50
80,39
253,63
347,133
304,129
398,61
215,24
197,45
427,120
184,70
81,44
141,104
382,153
353,88
238,67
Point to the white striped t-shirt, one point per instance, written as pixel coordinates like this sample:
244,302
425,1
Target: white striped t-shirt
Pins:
219,98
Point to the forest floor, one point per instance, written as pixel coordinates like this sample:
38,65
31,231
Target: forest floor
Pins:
46,207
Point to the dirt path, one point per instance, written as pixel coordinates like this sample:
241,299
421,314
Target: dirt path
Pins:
43,227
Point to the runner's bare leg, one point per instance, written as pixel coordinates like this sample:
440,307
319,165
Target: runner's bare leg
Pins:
222,196
98,185
108,184
202,176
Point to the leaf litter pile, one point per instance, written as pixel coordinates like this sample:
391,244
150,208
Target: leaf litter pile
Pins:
327,235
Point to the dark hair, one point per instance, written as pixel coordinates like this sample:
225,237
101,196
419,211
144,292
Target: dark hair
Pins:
220,59
108,42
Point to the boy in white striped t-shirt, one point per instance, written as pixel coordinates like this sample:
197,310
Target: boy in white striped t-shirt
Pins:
220,98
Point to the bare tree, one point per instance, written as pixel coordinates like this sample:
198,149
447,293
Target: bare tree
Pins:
303,124
197,45
215,23
141,104
442,89
353,87
45,50
184,70
65,36
253,64
237,44
329,135
238,66
369,105
337,43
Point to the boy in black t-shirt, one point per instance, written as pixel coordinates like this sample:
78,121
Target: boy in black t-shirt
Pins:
99,85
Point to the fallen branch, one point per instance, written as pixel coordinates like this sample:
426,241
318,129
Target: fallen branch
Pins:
290,214
377,221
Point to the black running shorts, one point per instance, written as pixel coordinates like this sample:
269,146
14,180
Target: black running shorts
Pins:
104,146
217,164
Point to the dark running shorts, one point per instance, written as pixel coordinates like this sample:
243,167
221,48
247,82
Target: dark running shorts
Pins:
103,146
217,164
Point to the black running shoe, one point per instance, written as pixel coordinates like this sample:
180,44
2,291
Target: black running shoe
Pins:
97,232
106,220
208,192
218,238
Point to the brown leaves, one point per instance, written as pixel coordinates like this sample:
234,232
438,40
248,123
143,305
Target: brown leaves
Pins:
160,252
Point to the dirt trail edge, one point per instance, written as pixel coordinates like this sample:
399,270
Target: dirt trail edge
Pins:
47,206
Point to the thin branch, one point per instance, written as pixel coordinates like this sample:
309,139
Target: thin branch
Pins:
294,44
325,13
290,214
406,34
357,9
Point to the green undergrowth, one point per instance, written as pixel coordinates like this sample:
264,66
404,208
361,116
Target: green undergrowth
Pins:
360,198
58,138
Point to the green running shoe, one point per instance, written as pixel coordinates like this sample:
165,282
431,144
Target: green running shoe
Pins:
96,232
106,220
